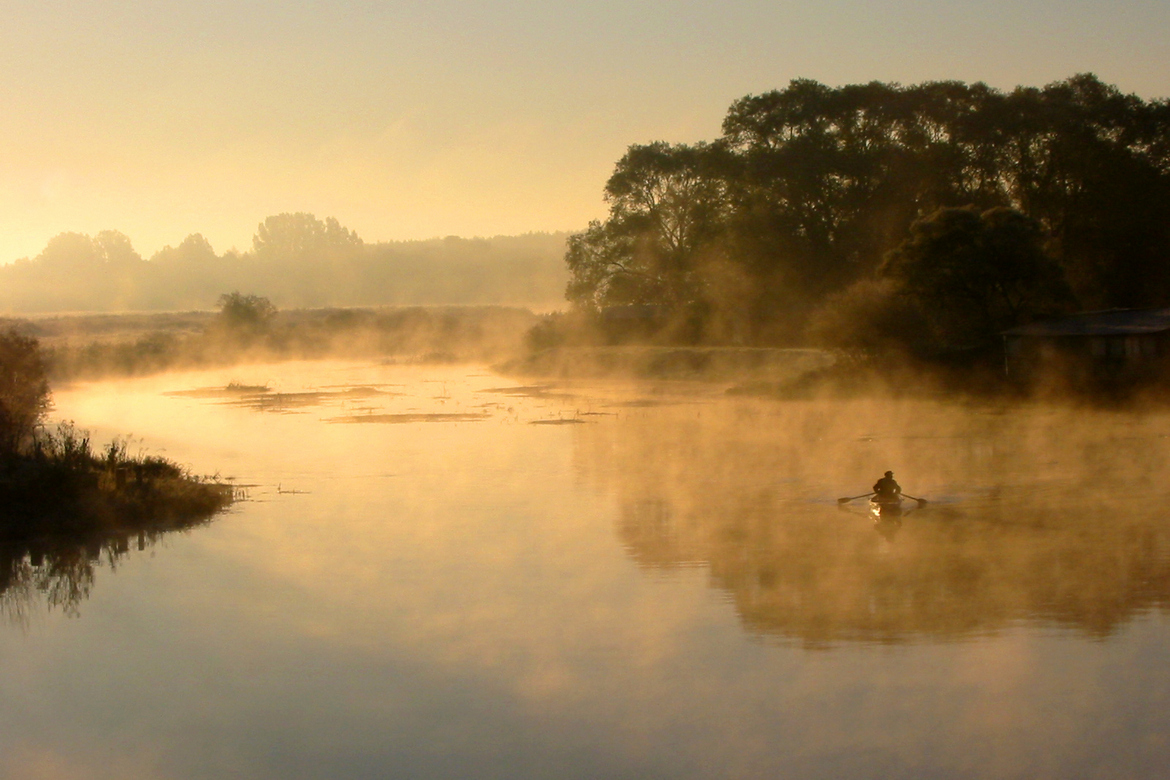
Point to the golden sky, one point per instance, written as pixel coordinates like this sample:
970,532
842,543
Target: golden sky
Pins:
416,119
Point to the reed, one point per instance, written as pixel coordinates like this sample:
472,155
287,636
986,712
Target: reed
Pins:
61,485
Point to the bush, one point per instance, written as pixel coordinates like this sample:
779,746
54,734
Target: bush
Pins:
870,320
24,391
245,311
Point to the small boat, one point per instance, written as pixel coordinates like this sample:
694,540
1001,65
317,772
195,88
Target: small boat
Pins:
886,507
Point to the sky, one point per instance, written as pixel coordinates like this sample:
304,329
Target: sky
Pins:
411,120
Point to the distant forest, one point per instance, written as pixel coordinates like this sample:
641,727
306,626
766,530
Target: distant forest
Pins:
871,216
296,260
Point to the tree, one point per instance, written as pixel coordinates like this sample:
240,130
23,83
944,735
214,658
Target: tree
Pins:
115,251
69,252
250,312
1091,163
974,274
194,250
665,211
294,235
811,186
24,391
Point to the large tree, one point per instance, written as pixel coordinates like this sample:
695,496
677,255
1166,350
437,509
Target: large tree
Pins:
815,185
974,274
665,210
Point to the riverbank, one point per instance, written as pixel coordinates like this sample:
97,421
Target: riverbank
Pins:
63,487
725,364
94,346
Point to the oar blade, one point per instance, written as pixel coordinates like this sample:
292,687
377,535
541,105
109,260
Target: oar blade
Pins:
847,499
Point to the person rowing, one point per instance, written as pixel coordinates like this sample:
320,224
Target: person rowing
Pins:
886,490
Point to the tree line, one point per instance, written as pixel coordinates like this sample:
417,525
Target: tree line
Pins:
296,259
876,216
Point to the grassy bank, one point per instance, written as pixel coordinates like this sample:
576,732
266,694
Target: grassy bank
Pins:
87,346
61,486
714,364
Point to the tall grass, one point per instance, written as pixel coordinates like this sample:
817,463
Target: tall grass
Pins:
62,485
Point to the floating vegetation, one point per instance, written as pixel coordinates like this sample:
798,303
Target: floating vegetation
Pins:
414,417
229,391
237,387
262,398
281,402
640,403
528,391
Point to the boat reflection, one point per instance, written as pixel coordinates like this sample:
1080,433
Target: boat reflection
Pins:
1079,544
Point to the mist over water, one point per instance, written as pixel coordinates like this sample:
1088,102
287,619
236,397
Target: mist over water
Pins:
444,573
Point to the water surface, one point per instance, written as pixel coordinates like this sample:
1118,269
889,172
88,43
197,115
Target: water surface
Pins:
443,573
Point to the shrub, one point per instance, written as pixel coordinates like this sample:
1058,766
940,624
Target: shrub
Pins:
24,391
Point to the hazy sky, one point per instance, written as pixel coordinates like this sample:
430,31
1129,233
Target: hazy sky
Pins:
404,120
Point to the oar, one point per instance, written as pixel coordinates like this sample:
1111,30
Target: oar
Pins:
847,499
921,501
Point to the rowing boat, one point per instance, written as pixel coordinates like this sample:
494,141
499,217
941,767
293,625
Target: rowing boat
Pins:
886,507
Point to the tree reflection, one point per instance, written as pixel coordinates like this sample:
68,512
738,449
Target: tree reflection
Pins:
58,571
1047,517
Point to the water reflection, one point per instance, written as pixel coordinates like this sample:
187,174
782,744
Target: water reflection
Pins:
57,572
447,599
1045,516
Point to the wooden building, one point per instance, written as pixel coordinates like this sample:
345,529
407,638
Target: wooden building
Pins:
1118,344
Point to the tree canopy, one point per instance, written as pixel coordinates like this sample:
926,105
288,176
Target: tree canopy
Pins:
286,236
976,274
811,187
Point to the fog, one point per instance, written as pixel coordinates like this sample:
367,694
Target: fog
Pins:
1036,513
296,260
452,528
509,576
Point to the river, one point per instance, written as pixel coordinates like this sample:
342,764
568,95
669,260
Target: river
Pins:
436,572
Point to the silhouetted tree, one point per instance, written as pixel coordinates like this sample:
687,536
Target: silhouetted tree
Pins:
812,186
24,391
666,209
975,274
870,319
69,252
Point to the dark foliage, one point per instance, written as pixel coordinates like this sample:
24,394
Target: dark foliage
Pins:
63,508
62,486
24,391
51,482
810,187
975,275
245,312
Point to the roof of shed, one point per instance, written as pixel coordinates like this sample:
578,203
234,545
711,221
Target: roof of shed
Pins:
1114,322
